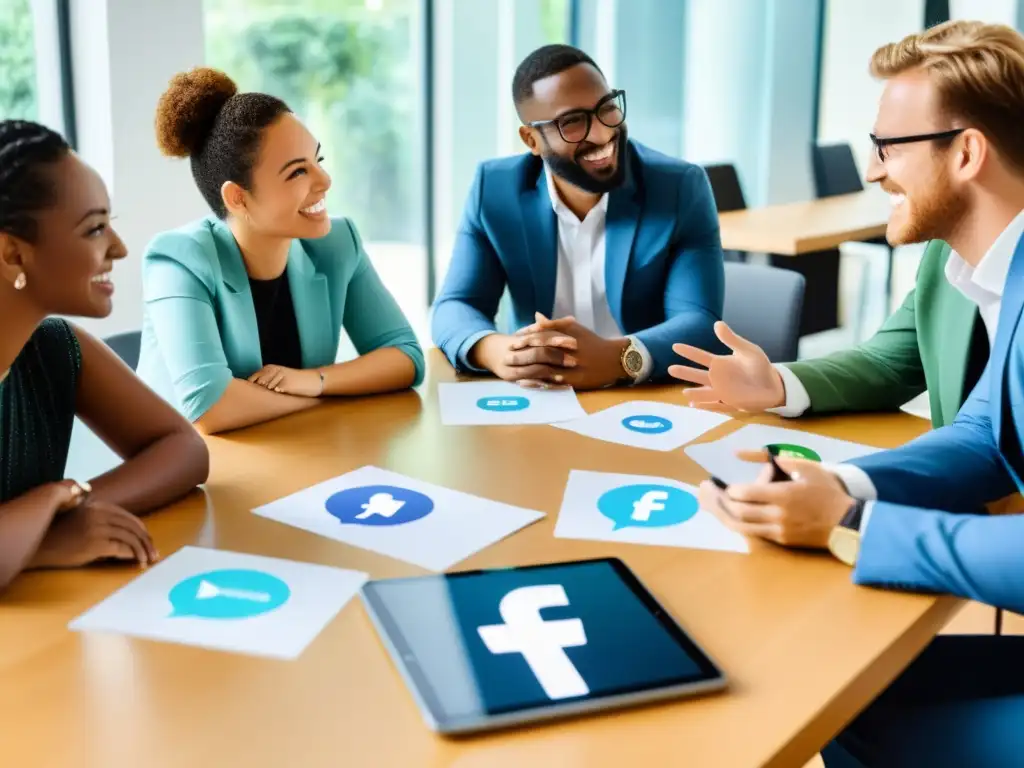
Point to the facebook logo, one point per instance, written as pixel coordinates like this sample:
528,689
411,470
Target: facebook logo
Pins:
541,643
651,501
378,505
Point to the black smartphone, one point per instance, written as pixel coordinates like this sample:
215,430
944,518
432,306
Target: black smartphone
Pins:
779,475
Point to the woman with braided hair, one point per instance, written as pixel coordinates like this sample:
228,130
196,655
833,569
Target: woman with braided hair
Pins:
57,250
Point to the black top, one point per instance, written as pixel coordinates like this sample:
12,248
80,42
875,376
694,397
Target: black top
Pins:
37,410
977,356
275,318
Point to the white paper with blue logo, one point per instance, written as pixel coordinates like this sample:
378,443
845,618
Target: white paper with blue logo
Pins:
227,601
401,517
638,509
482,403
646,424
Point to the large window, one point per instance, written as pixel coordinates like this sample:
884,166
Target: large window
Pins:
17,61
351,69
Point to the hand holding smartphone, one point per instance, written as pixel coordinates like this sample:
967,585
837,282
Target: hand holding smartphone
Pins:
779,475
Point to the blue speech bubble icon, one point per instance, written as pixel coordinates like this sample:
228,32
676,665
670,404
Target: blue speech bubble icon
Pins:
228,594
647,425
379,505
647,506
503,404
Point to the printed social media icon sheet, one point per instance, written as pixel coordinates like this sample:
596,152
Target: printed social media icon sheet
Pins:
400,517
636,509
645,424
227,601
719,457
503,402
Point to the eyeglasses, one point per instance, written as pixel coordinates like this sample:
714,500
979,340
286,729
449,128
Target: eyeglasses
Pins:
574,126
882,143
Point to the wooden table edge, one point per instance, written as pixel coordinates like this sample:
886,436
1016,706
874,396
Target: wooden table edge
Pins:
866,687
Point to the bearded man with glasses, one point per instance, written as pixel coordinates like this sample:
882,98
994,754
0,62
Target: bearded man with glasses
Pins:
609,251
938,340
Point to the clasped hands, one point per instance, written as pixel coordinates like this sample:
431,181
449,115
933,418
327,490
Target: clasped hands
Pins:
289,381
552,353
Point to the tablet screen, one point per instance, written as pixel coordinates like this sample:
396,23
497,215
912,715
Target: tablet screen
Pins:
485,643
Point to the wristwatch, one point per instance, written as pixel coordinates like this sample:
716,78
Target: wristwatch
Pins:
844,541
632,361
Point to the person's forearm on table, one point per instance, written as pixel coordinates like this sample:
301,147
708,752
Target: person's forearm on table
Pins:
244,404
387,369
23,524
160,473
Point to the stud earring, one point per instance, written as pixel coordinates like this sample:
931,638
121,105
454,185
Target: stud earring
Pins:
20,281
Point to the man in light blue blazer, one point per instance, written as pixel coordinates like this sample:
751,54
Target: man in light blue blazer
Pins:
609,251
948,149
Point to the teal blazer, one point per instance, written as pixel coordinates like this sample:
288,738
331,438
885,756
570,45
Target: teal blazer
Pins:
199,326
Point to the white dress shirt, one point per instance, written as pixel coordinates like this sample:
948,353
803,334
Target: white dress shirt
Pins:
984,286
580,274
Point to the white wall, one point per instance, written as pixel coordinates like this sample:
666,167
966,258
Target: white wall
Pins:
748,92
854,29
995,11
124,52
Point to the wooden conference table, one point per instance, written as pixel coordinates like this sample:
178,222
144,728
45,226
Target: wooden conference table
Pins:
803,647
794,229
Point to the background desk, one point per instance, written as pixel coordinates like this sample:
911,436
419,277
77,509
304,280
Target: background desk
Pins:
804,648
816,225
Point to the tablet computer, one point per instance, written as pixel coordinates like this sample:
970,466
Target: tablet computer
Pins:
489,649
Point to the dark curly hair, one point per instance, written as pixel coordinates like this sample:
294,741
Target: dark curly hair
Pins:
26,188
202,116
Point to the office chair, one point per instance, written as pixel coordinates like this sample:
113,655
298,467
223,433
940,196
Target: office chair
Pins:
126,346
764,304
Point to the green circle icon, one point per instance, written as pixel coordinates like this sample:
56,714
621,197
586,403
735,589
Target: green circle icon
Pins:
789,451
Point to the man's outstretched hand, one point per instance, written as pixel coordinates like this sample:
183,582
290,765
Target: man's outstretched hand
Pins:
742,381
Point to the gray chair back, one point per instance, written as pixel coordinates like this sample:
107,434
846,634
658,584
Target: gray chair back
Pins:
728,193
764,304
835,170
126,346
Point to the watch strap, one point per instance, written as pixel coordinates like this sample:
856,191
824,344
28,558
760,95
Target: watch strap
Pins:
854,515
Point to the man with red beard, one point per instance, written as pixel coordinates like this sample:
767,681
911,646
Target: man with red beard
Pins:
948,138
609,251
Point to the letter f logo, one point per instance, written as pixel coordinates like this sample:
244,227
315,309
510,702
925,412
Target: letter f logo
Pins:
652,501
542,643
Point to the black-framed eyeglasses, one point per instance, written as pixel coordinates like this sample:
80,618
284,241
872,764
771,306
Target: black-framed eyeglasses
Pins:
882,143
574,126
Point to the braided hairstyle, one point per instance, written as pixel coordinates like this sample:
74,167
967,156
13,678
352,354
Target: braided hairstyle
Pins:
26,149
203,117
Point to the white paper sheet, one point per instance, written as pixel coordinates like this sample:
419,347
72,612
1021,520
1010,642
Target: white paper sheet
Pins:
400,517
646,424
637,509
227,601
503,402
719,458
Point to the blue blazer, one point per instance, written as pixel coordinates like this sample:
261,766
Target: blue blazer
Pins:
928,532
199,326
663,265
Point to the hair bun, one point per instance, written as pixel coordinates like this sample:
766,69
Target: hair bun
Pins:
188,109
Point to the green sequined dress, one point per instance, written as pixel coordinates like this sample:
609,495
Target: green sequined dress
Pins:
37,410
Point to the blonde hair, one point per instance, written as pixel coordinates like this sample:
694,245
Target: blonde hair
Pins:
978,70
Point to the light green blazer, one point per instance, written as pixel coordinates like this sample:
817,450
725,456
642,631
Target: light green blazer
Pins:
925,344
199,328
